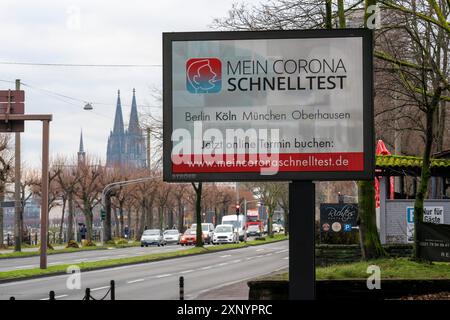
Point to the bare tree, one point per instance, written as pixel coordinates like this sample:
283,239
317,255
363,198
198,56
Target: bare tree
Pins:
88,190
6,164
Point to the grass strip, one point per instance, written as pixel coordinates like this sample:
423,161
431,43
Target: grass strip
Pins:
391,268
24,254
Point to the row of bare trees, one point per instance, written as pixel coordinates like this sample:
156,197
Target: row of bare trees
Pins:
412,43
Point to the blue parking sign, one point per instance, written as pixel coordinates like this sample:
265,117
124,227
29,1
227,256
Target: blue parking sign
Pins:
347,227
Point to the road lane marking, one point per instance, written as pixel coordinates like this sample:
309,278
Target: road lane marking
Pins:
100,288
164,275
249,258
285,250
222,264
286,258
206,268
79,260
268,255
134,281
56,297
226,256
259,256
236,261
259,250
23,267
186,271
53,263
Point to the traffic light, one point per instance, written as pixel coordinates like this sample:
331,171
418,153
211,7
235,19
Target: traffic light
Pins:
237,209
103,214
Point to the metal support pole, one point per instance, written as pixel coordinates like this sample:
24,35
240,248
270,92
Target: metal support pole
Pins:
302,271
88,294
17,177
44,200
51,295
181,288
113,290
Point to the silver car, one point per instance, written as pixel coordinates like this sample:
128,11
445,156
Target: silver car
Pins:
172,236
152,236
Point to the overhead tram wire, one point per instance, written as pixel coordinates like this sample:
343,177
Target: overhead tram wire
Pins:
41,64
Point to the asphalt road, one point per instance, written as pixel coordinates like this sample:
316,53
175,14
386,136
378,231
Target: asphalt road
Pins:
159,280
83,256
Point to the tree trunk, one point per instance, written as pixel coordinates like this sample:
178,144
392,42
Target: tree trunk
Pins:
426,173
61,227
170,218
161,217
180,216
108,221
270,223
150,217
371,247
116,220
70,234
2,198
286,221
121,220
88,217
129,221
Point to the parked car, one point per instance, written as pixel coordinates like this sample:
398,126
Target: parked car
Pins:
225,233
152,236
207,231
189,237
172,236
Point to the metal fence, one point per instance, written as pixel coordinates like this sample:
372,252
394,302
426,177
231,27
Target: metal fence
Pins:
87,294
111,292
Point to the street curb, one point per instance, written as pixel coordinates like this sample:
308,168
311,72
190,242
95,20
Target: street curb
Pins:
56,252
2,281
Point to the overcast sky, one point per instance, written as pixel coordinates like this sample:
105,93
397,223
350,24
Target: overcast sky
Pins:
89,32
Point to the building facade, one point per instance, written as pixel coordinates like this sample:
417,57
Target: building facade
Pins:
126,146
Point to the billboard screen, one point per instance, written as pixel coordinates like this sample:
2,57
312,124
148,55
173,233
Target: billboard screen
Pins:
271,105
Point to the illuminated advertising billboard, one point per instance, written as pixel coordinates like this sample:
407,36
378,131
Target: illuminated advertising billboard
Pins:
271,105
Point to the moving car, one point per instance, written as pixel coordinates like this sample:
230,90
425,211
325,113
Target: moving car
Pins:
254,230
276,228
237,221
152,236
225,233
171,236
189,237
207,231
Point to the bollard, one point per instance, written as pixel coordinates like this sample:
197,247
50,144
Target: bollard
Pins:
113,290
181,288
7,240
12,298
88,294
51,295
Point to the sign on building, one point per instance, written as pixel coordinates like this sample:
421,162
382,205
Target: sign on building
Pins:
338,217
275,105
430,215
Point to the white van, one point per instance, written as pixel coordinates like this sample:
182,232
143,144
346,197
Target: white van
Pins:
237,221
